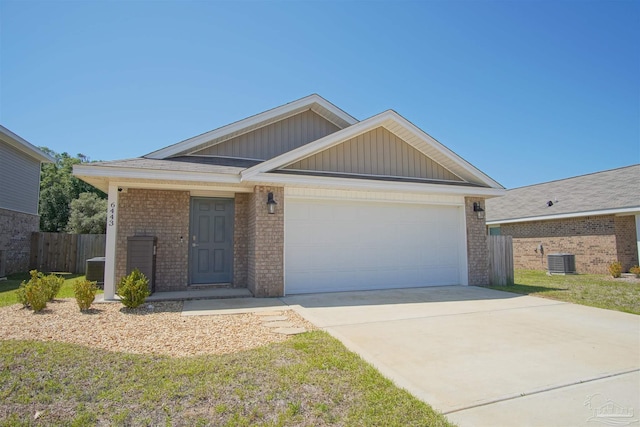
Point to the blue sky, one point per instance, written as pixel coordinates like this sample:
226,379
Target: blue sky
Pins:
527,91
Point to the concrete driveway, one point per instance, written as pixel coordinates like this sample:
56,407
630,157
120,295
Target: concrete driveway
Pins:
489,358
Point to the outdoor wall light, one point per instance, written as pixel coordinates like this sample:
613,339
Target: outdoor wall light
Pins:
478,210
271,204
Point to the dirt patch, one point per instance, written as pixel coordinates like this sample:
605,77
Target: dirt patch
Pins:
155,328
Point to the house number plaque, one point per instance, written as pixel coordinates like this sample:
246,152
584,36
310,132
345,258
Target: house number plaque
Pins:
111,216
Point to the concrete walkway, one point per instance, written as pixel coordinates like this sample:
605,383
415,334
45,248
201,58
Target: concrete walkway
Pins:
483,357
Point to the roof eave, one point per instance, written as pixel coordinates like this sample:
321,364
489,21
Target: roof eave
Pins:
24,146
372,185
110,172
614,211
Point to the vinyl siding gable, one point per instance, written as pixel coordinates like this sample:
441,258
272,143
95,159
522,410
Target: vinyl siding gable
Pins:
272,140
19,180
377,152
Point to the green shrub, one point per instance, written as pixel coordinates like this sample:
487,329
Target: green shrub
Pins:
635,270
615,269
53,284
34,293
21,295
85,293
133,289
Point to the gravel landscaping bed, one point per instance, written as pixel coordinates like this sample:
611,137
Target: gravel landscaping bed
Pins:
153,328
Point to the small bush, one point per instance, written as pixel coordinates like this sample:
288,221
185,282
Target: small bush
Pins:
85,293
34,293
53,284
635,270
615,269
133,289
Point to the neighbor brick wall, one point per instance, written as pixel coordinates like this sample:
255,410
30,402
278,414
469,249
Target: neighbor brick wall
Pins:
266,243
160,213
477,253
626,241
15,239
596,241
241,241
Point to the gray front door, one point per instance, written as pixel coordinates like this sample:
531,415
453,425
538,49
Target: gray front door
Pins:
211,241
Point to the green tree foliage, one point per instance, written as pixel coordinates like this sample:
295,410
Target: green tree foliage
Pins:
88,215
58,187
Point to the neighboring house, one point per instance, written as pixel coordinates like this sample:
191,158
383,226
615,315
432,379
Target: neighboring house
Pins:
19,193
366,204
595,217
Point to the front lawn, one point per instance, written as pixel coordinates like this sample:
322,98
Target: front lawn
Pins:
587,289
9,286
310,380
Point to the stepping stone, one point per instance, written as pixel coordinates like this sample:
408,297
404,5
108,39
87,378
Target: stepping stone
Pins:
278,324
268,313
274,318
290,331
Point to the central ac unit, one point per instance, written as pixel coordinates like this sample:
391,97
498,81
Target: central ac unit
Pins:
561,263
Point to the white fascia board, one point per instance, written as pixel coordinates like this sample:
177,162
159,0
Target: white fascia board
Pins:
446,151
618,211
315,146
24,146
153,174
372,185
307,101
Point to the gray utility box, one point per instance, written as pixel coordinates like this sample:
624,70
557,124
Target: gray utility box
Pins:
141,254
95,270
561,263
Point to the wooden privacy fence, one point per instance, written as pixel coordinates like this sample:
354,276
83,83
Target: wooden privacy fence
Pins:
500,260
65,252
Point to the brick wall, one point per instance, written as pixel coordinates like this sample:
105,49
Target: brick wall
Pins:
626,241
241,241
477,253
15,239
265,243
596,241
164,214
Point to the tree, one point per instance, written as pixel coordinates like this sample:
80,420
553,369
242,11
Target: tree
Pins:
88,215
58,187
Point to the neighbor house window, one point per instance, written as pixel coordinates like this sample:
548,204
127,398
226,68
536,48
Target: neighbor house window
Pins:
494,230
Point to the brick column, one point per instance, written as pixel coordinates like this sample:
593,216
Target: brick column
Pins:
477,251
266,243
241,241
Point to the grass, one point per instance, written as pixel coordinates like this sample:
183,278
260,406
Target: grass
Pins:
9,286
586,289
311,379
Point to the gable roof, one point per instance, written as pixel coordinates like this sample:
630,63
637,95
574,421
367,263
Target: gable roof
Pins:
312,102
396,124
216,157
608,192
24,146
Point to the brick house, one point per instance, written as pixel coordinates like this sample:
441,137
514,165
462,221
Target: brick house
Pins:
596,217
19,194
301,198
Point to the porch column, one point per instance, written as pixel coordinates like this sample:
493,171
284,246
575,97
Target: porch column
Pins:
112,237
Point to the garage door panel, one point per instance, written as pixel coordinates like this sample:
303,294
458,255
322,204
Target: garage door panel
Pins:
333,245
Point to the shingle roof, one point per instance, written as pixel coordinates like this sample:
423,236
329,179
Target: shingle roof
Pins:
600,191
182,164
